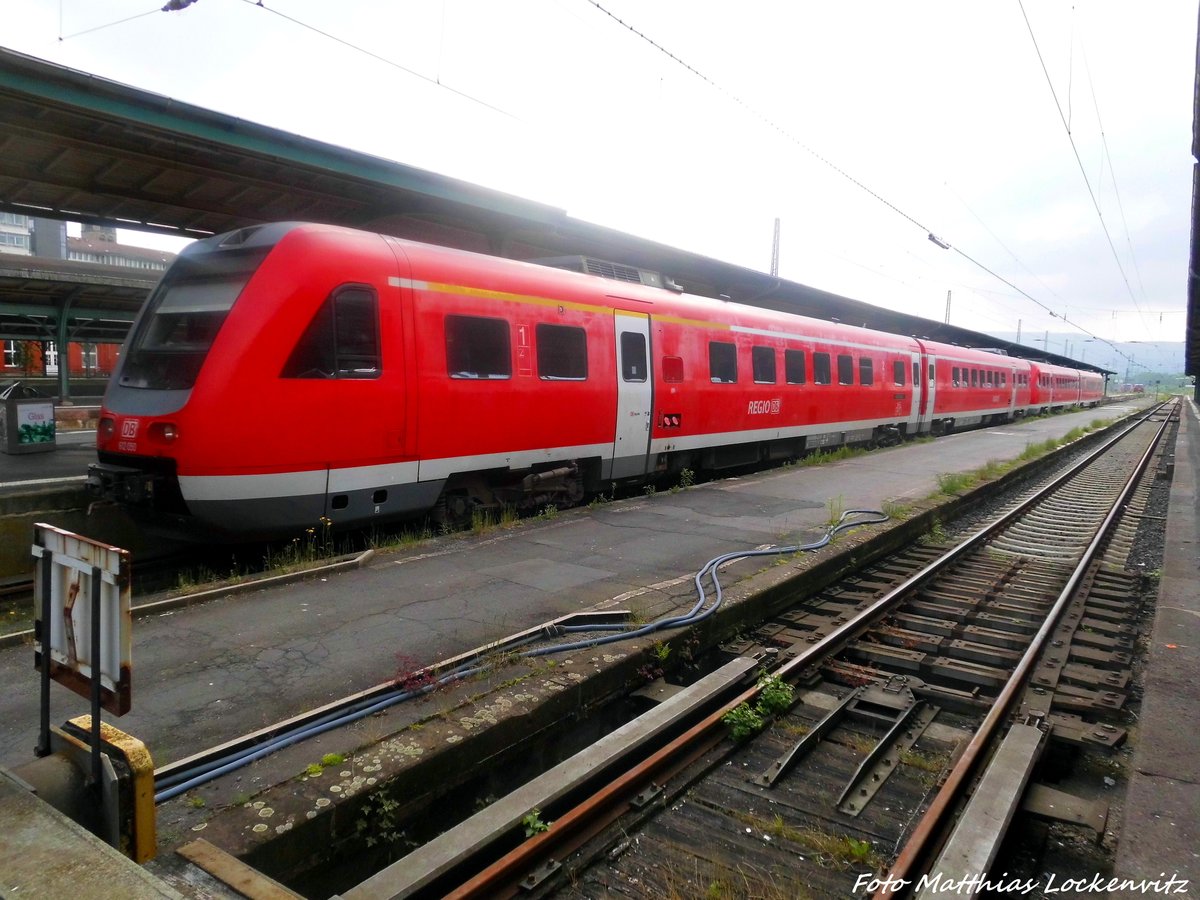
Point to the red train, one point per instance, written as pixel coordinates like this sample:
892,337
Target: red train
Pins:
286,372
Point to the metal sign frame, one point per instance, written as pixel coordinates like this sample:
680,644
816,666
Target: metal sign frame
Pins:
84,623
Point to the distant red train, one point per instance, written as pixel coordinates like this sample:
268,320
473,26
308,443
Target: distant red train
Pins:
284,373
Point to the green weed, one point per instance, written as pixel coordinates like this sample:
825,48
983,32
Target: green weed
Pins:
743,721
533,823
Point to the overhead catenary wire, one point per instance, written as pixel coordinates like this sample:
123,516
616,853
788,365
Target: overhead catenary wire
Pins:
436,81
856,182
1061,316
67,37
1113,174
1079,161
762,117
176,5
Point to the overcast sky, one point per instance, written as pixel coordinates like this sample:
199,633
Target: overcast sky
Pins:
863,126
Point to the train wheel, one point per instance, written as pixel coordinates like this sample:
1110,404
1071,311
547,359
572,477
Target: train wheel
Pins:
454,510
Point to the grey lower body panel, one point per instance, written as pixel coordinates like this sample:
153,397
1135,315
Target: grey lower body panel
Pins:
281,516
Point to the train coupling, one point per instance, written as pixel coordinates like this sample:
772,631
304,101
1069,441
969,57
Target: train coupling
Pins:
120,484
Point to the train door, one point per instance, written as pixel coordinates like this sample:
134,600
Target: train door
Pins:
928,386
916,394
1012,393
635,394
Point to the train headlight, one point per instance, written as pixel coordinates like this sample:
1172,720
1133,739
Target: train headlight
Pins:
164,432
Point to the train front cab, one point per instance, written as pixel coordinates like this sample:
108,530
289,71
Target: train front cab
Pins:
262,388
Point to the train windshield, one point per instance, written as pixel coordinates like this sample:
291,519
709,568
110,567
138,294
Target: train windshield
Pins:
183,317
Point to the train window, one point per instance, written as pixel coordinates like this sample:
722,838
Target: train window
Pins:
672,368
916,374
793,366
822,372
356,333
341,341
633,356
561,352
845,368
182,319
313,354
932,373
974,378
955,373
763,359
722,362
898,372
866,370
477,347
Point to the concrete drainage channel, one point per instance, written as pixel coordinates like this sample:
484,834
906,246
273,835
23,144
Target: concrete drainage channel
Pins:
327,830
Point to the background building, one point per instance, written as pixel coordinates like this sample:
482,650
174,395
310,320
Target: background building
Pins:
49,239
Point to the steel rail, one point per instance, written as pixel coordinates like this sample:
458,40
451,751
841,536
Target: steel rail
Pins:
931,823
837,639
502,877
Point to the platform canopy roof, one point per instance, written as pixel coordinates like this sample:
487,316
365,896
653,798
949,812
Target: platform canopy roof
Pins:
84,149
99,305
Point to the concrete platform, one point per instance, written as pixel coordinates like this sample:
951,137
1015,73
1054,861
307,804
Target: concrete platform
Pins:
43,854
1160,828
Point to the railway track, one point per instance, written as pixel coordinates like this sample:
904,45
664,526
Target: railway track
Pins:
911,683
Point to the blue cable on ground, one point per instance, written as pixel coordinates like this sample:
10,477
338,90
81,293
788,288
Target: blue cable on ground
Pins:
183,782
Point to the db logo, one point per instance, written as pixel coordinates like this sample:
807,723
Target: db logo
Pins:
129,428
